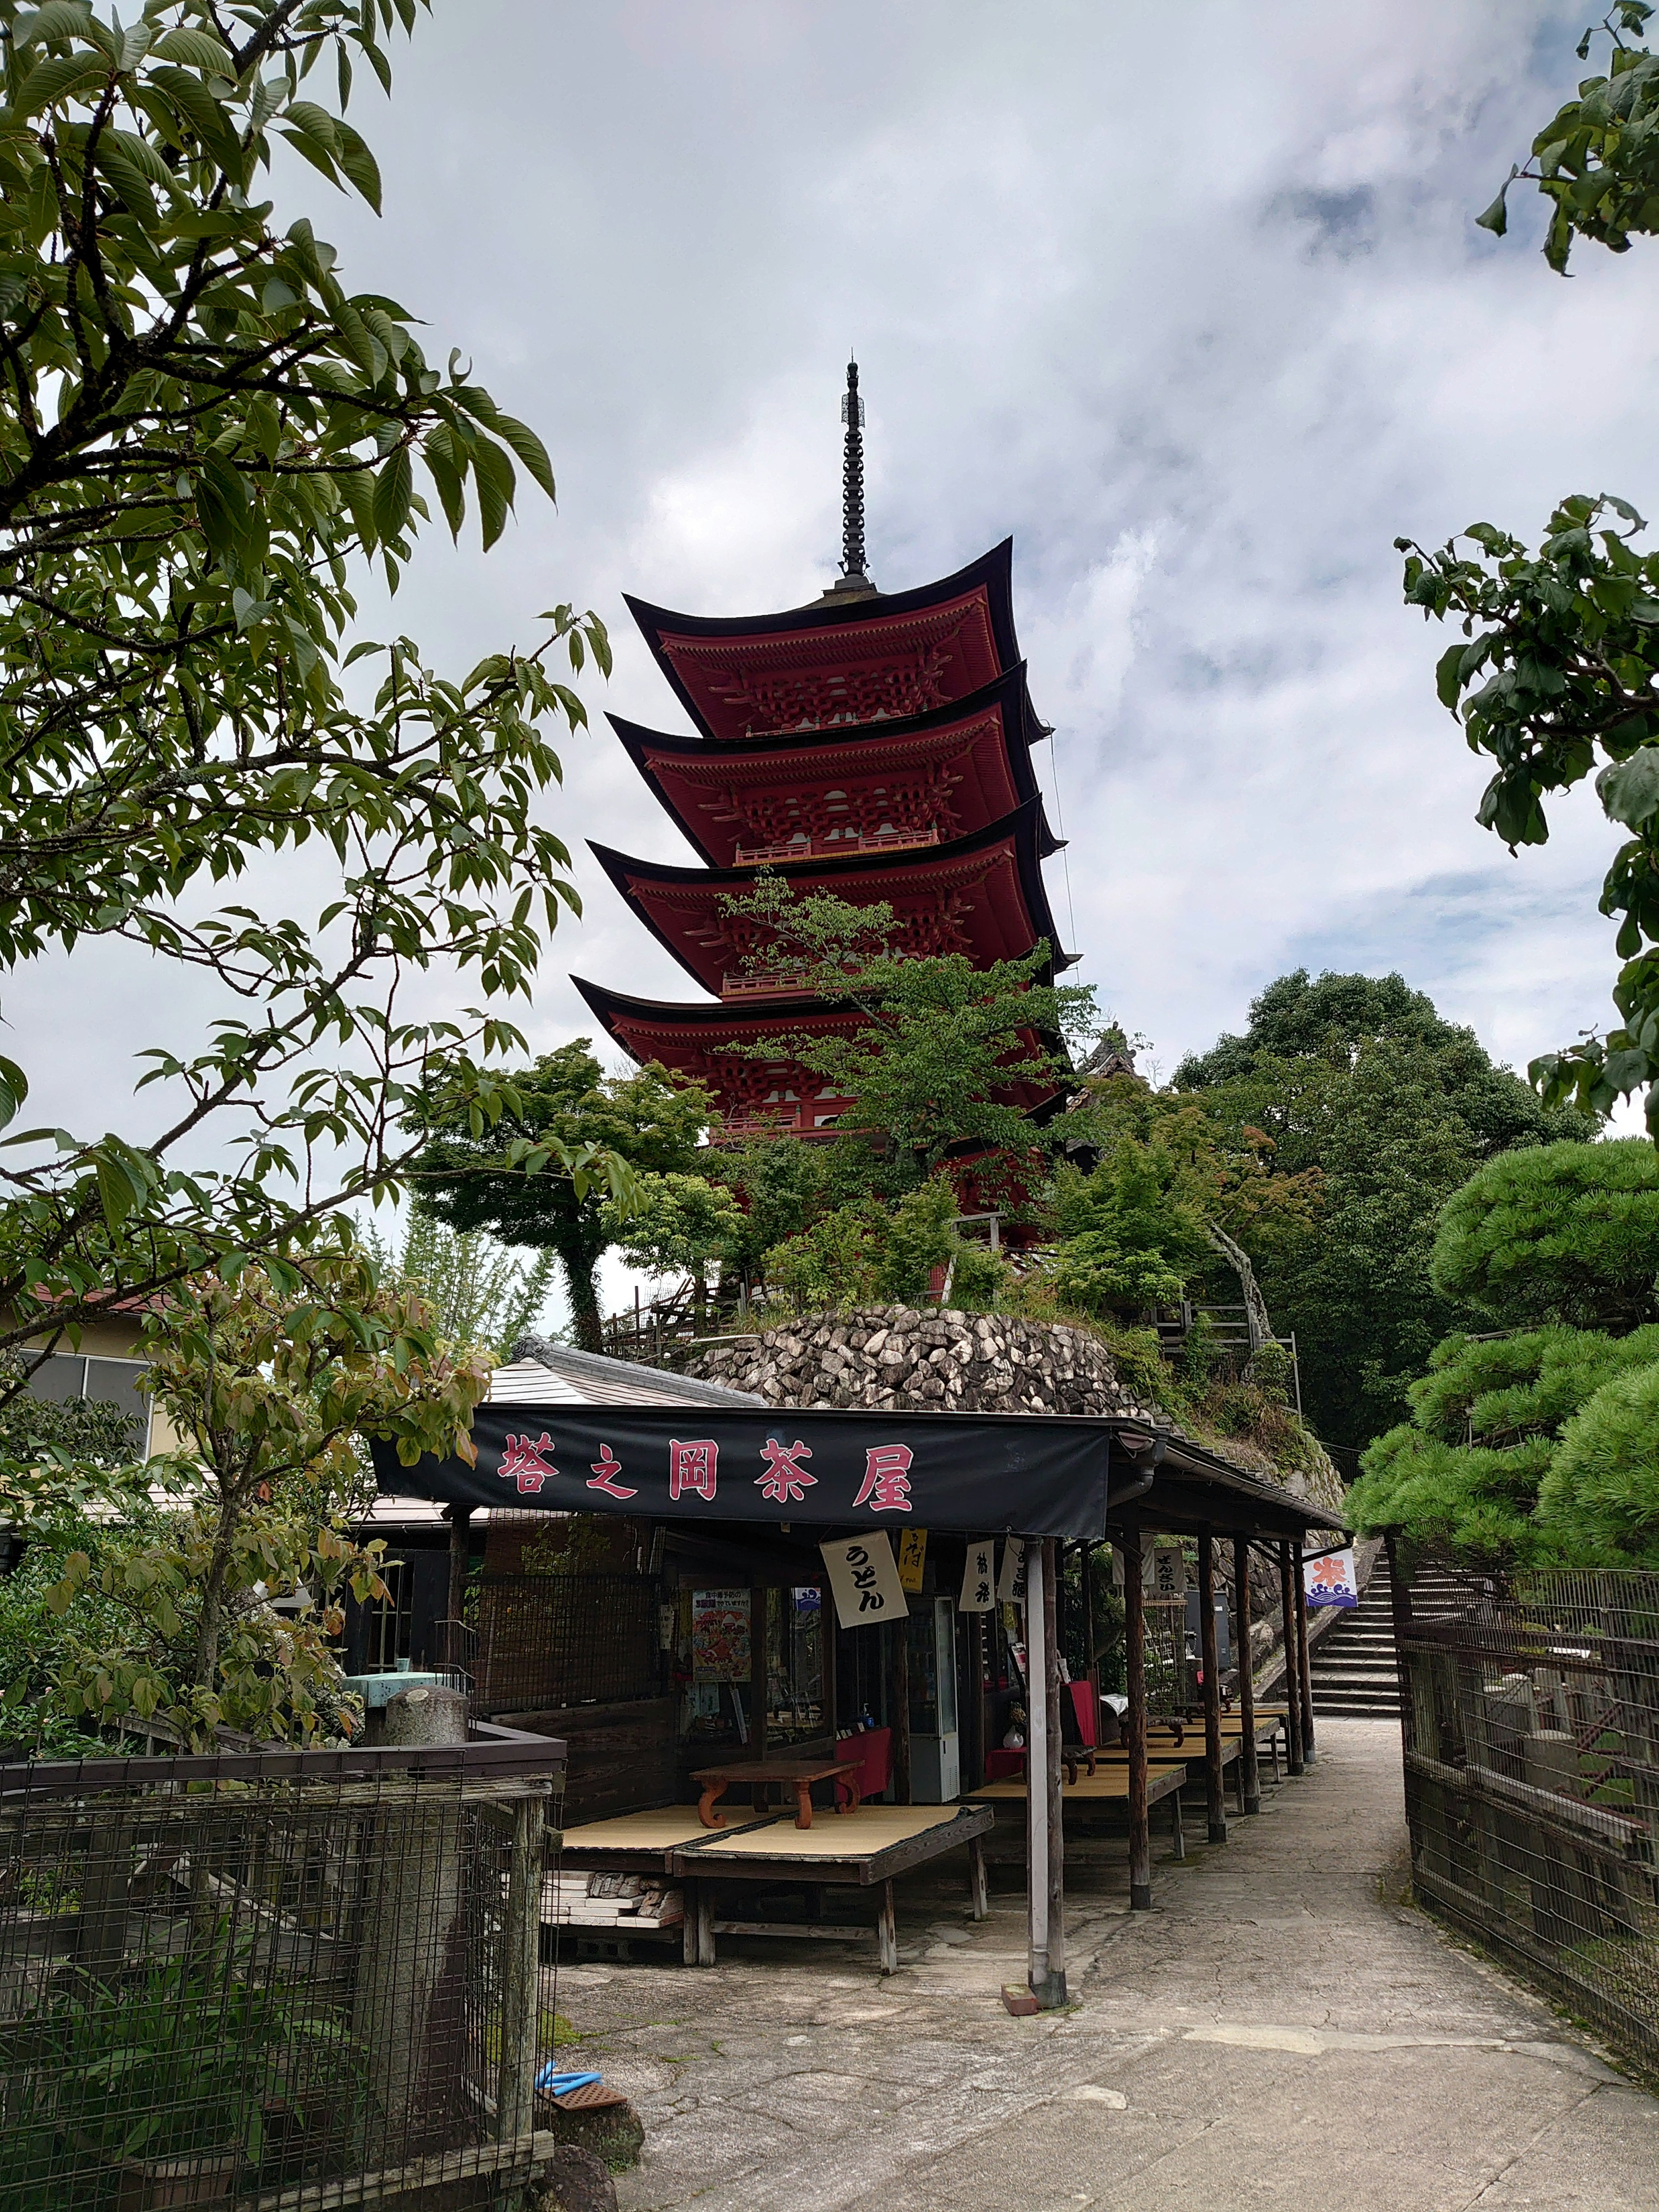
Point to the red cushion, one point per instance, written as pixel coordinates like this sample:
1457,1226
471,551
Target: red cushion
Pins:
1000,1764
873,1750
1083,1700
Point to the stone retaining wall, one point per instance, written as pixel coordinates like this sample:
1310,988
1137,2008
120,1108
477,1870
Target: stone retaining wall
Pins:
954,1362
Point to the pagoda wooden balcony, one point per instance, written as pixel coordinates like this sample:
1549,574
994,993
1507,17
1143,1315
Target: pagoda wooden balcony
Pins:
834,849
792,984
800,1119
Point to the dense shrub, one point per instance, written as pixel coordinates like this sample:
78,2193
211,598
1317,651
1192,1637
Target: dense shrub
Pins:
1566,1232
1474,1472
1601,1494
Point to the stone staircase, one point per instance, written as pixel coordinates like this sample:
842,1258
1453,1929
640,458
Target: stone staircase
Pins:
1352,1663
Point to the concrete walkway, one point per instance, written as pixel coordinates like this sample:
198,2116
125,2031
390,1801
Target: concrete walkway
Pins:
1283,2031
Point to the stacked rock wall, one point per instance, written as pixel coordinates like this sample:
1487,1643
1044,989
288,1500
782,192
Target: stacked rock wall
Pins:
952,1361
956,1362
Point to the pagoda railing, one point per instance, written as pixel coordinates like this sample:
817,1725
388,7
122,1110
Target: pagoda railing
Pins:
834,849
788,983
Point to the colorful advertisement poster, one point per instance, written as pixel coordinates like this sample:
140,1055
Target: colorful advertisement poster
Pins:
1329,1579
720,1636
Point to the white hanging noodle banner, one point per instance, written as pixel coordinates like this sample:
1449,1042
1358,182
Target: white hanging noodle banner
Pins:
864,1576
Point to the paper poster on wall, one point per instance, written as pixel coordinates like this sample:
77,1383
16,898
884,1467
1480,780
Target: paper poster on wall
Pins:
1010,1583
979,1578
912,1558
864,1576
1330,1579
720,1636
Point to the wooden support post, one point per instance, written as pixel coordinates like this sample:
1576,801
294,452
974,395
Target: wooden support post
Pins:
1135,1660
1039,1763
460,1558
522,1927
688,1927
1053,1585
1249,1771
704,1924
1304,1666
887,1931
828,1654
1036,1782
976,1701
1178,1826
1215,1781
978,1887
901,1632
757,1683
1293,1754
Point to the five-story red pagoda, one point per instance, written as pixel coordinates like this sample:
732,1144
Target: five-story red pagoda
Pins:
874,745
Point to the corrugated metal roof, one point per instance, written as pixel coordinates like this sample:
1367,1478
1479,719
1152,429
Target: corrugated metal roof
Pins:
557,1375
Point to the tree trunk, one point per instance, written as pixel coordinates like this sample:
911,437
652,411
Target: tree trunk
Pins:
579,1267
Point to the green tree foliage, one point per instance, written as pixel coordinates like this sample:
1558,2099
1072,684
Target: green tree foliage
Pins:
1132,1231
206,440
1601,1493
1556,678
1381,1130
1297,1018
269,1379
1557,1233
941,1045
1094,1274
480,1293
677,1225
1598,158
1471,1471
563,1108
782,1186
865,1251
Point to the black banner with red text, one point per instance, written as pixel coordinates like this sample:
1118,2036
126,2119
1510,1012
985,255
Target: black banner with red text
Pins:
1029,1474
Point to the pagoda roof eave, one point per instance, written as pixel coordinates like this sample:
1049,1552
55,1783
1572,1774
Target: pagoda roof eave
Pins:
1019,829
616,1012
1021,730
607,1006
992,571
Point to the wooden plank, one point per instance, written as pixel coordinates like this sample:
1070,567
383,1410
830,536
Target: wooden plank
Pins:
504,2162
863,1931
787,1863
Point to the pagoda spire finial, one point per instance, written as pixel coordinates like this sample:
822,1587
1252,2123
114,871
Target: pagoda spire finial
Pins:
853,583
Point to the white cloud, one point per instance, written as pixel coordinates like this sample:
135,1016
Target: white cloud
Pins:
1191,302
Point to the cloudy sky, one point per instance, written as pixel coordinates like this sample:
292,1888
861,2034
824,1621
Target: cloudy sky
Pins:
1189,302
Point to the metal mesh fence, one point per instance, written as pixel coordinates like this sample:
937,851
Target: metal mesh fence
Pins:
1531,1718
544,1641
288,1980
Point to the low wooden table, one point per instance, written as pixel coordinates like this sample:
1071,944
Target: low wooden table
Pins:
798,1773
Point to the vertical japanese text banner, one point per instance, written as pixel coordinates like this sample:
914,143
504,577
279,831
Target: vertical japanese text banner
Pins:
865,1579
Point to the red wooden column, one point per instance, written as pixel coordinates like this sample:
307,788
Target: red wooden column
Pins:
1134,1660
1214,1783
1295,1757
1249,1770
